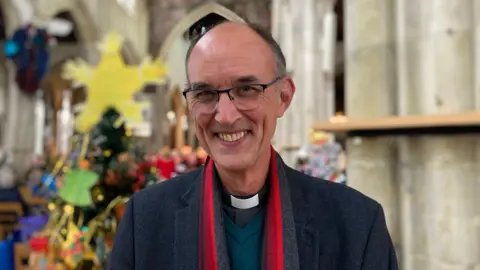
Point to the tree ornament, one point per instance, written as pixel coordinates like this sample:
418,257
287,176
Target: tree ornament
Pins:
76,189
112,83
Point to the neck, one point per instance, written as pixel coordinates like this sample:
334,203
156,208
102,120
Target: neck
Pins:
246,182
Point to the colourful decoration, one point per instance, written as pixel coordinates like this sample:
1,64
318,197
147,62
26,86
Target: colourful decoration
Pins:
321,158
100,171
76,189
37,258
29,49
112,83
320,137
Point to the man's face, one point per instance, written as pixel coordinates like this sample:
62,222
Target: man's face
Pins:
234,55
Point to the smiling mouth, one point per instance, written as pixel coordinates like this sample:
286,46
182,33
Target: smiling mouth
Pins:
231,136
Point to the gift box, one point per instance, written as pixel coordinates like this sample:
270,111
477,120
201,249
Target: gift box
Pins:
6,255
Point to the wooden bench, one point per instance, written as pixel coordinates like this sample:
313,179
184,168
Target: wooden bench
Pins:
9,214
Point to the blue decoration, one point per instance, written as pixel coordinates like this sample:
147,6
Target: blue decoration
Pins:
31,58
49,181
10,49
47,187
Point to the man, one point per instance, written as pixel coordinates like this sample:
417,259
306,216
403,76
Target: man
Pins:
245,209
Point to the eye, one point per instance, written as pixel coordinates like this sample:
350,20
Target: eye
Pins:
204,95
250,89
247,88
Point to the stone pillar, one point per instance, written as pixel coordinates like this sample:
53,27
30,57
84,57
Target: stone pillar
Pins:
476,29
408,44
299,50
441,172
20,125
159,119
282,31
3,101
370,89
299,32
12,101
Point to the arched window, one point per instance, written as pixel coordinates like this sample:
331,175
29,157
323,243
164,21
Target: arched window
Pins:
3,35
72,36
204,24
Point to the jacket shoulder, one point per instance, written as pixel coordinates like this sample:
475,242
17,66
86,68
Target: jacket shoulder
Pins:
167,193
339,198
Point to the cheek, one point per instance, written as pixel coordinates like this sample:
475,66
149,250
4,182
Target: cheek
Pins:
201,127
262,120
269,122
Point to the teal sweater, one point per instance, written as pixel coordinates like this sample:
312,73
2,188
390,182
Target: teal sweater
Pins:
245,245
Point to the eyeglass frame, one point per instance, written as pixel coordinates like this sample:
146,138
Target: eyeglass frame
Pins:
220,91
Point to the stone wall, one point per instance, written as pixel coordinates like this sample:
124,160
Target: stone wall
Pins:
424,63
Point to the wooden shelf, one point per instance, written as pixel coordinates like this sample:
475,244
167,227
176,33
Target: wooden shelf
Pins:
405,125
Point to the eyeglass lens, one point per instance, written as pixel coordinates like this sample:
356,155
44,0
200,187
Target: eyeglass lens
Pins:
243,98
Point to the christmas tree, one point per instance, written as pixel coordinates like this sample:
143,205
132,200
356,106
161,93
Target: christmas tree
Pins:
103,168
98,177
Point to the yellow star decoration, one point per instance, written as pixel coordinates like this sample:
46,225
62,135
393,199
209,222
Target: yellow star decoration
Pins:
112,83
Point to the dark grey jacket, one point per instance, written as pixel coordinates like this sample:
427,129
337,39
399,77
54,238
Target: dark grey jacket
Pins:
337,227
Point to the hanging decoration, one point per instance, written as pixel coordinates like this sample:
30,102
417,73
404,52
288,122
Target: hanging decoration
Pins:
29,50
112,83
29,46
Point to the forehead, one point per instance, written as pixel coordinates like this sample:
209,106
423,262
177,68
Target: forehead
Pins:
230,51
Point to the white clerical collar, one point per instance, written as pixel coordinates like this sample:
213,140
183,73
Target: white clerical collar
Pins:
245,203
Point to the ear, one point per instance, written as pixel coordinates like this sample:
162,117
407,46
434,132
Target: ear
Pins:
286,96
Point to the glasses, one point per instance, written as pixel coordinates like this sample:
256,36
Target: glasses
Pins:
204,99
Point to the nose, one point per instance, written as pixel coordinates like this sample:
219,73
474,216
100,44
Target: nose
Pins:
226,113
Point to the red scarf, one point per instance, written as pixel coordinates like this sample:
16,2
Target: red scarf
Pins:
212,240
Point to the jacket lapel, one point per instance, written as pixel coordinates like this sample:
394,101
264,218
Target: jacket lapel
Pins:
186,229
316,231
307,236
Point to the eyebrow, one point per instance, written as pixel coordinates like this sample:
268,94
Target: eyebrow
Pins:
197,85
245,80
248,79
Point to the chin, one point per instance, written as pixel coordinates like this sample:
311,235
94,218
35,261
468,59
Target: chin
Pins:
234,162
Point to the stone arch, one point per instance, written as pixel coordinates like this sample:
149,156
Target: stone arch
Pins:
86,30
129,53
88,33
191,18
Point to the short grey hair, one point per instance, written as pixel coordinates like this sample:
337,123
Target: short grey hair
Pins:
280,62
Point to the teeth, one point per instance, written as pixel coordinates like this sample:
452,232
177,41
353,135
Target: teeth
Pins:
231,137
